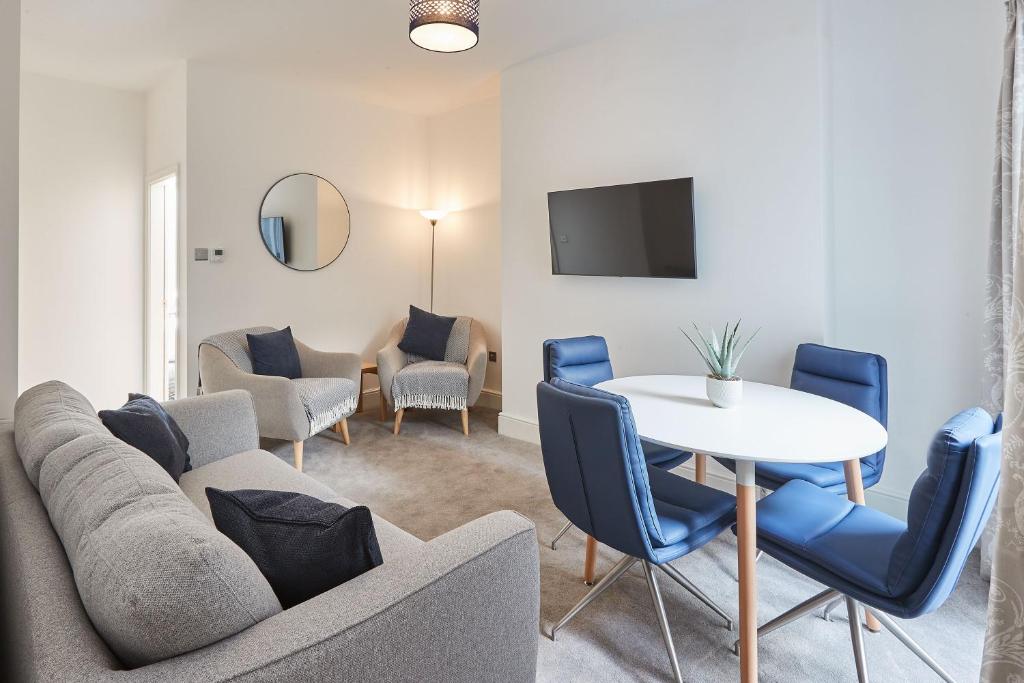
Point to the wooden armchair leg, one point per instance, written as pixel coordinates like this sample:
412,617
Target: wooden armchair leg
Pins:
398,419
341,427
297,446
465,421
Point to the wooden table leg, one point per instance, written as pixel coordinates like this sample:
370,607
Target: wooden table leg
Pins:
359,404
590,564
855,492
746,539
700,464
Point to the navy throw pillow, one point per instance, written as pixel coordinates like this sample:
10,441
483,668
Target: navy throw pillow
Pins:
274,353
303,545
426,334
144,424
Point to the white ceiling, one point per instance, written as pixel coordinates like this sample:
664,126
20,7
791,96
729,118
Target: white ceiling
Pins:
361,45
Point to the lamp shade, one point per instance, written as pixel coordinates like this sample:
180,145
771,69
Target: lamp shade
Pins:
444,25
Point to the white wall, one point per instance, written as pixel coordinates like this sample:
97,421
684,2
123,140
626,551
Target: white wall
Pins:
246,132
912,96
82,169
730,97
10,56
842,156
465,178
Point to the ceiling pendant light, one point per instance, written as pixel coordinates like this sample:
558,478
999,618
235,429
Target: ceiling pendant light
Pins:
444,25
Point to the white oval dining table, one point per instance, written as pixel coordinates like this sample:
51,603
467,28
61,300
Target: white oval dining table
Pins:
771,424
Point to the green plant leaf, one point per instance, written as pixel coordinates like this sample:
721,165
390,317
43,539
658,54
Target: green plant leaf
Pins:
743,349
700,352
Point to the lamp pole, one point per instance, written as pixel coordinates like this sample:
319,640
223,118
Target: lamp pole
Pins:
433,226
432,215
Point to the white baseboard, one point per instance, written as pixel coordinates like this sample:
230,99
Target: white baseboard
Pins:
518,428
488,398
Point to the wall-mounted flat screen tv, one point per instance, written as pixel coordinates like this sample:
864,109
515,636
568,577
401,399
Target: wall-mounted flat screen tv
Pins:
638,230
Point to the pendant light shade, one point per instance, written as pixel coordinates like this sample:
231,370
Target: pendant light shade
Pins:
444,25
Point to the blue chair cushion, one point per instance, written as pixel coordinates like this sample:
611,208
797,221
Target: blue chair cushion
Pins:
830,532
825,475
663,456
933,498
581,360
689,514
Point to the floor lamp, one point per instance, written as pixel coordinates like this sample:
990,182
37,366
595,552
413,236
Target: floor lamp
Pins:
433,216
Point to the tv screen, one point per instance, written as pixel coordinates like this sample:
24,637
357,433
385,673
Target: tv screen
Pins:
638,230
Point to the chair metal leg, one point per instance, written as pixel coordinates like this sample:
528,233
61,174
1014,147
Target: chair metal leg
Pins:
805,607
900,634
857,636
608,579
659,608
568,525
676,576
829,608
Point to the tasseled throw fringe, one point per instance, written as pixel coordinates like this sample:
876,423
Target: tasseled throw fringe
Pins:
429,402
318,423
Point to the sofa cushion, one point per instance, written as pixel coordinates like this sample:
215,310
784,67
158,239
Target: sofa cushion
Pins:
47,416
155,578
303,545
145,425
263,470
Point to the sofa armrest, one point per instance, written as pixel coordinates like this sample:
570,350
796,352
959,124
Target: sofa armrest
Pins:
217,425
391,359
329,364
463,607
476,361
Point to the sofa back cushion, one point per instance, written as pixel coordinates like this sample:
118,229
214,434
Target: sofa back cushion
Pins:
47,416
156,579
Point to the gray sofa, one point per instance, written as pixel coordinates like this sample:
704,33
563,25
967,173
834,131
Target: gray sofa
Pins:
115,573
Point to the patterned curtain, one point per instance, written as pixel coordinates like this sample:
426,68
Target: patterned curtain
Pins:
1004,640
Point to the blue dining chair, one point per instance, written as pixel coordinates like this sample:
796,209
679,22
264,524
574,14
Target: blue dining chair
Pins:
860,380
599,479
585,361
876,561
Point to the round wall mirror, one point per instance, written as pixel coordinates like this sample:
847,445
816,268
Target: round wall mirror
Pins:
304,222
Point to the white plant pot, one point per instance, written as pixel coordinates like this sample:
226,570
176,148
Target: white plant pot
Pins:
725,393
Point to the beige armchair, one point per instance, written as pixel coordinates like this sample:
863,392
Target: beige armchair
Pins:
452,384
290,409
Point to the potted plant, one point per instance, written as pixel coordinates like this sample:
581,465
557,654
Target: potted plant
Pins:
724,387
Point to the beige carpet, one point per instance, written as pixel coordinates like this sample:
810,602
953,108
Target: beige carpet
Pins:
431,479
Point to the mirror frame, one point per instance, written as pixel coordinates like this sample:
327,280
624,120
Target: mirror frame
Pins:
259,219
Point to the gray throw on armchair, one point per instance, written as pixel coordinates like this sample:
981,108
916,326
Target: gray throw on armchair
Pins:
290,409
407,381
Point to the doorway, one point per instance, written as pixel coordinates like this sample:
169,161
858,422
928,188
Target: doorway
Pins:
161,297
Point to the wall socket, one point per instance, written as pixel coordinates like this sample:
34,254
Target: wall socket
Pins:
492,356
